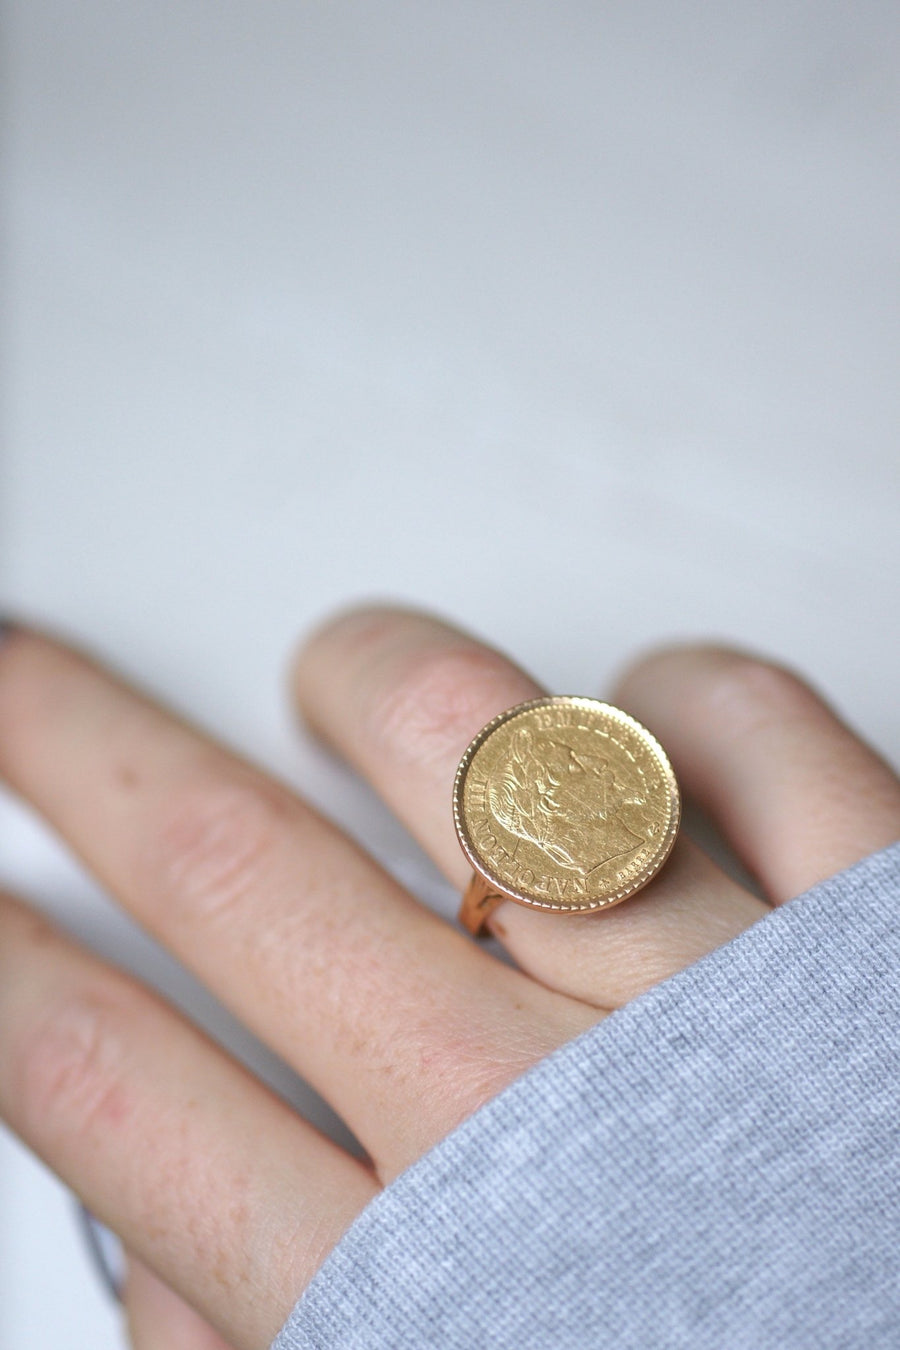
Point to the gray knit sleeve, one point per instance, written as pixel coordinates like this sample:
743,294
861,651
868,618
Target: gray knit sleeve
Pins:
714,1166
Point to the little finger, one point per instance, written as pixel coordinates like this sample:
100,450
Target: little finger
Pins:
796,792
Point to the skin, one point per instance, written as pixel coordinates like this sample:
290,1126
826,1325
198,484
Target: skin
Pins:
401,1022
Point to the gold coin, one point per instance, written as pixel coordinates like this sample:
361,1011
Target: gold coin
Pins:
566,804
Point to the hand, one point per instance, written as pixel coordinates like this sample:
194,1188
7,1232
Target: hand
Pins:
226,1200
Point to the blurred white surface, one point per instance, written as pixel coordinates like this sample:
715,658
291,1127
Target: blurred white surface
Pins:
577,322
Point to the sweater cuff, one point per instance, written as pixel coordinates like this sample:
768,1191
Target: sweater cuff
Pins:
715,1164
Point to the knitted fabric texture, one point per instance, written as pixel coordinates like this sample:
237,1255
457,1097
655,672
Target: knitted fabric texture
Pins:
715,1165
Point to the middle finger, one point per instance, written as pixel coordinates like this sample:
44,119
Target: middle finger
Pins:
404,1026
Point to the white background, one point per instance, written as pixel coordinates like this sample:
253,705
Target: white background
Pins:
576,321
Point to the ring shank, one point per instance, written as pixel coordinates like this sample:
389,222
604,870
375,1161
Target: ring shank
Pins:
478,903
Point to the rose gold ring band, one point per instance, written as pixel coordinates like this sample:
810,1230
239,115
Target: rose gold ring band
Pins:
478,903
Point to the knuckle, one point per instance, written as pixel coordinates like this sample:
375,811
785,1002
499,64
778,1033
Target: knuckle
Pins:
465,1068
73,1066
438,699
753,692
213,845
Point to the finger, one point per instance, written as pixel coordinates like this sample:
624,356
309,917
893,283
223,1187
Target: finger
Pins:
400,694
397,1020
796,792
206,1175
159,1320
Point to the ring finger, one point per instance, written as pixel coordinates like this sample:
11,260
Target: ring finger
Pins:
400,694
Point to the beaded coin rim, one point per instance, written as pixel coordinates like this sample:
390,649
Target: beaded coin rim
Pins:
484,868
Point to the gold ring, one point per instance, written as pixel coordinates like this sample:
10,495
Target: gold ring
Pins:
564,804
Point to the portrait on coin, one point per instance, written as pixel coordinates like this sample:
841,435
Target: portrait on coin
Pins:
565,800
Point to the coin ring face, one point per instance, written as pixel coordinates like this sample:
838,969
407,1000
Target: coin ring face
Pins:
566,803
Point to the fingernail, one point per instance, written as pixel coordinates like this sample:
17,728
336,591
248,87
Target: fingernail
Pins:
106,1252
